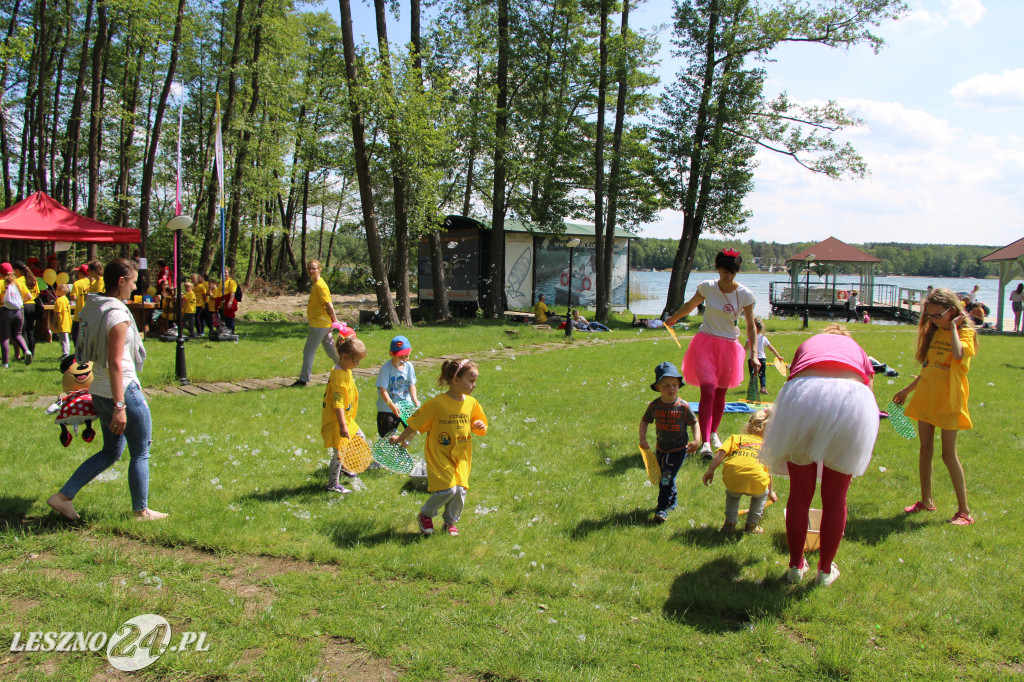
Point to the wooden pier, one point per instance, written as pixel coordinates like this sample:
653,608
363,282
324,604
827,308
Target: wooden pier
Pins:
884,302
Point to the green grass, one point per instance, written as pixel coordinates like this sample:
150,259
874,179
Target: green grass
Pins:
557,574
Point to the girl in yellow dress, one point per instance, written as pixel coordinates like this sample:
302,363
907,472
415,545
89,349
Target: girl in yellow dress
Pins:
946,342
450,420
340,406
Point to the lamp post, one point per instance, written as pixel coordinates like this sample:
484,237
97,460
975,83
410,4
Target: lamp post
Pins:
176,225
572,244
807,287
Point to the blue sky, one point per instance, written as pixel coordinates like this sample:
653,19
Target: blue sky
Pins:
943,105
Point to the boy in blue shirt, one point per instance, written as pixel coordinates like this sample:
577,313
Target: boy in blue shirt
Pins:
671,415
396,382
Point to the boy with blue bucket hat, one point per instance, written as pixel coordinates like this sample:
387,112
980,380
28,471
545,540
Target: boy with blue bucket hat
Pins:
671,415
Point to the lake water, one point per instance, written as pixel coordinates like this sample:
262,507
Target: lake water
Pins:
655,284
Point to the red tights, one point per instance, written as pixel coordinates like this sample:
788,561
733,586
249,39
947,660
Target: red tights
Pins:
802,479
709,412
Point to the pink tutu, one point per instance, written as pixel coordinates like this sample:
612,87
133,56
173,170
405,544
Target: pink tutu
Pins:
713,360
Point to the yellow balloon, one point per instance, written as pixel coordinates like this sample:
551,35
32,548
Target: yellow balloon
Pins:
151,291
62,278
49,276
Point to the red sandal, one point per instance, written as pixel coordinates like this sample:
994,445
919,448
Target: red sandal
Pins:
961,519
917,507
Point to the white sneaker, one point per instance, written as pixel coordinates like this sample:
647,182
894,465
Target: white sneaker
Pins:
826,579
716,442
795,575
705,451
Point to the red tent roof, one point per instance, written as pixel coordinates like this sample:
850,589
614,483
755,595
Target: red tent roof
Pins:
39,217
834,251
1009,252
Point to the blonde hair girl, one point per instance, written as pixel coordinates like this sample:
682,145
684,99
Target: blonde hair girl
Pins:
946,342
450,420
743,474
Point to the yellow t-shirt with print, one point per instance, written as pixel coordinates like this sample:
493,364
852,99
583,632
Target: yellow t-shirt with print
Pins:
33,291
341,393
742,471
188,302
316,308
448,425
200,293
97,287
62,315
26,295
942,391
80,288
211,298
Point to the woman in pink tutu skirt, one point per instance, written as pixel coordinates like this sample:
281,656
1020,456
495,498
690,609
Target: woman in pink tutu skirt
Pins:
715,357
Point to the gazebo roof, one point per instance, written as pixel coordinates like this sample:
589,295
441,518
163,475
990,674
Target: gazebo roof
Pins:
834,251
1008,253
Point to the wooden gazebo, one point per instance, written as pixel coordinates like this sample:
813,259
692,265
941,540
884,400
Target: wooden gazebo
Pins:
830,254
1011,263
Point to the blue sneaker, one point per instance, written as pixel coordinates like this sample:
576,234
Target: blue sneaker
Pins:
661,517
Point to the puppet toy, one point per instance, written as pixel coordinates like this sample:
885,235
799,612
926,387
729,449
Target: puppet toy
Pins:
74,406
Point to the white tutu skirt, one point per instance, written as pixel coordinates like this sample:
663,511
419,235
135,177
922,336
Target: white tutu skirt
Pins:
822,420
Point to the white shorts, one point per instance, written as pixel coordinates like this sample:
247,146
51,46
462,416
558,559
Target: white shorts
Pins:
822,420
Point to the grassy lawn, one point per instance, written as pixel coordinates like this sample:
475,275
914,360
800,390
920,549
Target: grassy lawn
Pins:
558,573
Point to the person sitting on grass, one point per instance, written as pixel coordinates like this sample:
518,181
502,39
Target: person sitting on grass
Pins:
743,474
649,323
671,415
580,322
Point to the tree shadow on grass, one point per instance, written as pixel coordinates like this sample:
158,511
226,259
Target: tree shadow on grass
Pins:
707,537
350,533
714,598
640,516
14,511
315,488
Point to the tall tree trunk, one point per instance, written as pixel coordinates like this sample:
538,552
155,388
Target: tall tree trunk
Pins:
95,116
131,91
602,93
605,269
149,168
242,152
362,163
399,180
4,148
305,227
495,300
69,168
691,227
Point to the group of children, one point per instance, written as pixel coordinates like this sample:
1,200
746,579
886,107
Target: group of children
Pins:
822,428
449,419
202,303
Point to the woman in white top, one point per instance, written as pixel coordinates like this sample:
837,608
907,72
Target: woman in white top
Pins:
111,341
714,358
1017,304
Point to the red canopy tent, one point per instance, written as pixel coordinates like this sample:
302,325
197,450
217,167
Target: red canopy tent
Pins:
38,217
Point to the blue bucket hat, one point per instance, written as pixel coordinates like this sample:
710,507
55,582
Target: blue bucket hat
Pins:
666,369
400,346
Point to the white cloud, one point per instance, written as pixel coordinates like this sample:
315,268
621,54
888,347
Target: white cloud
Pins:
930,182
993,91
966,12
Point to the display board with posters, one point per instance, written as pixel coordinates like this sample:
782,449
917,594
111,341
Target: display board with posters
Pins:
461,250
552,275
518,269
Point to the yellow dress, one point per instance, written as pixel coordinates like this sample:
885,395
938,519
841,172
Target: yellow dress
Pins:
448,425
942,391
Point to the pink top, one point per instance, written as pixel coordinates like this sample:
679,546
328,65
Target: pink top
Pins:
832,350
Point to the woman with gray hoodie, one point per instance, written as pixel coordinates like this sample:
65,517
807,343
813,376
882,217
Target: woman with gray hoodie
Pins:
110,340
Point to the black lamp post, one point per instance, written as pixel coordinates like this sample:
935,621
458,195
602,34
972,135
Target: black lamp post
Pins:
572,244
807,288
176,225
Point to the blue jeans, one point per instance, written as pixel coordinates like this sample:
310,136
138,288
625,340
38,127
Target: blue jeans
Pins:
138,434
669,463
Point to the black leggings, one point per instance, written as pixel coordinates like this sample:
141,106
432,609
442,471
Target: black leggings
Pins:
29,331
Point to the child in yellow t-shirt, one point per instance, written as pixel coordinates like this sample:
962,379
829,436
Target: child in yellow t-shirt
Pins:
743,474
341,403
62,319
937,399
188,310
450,420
